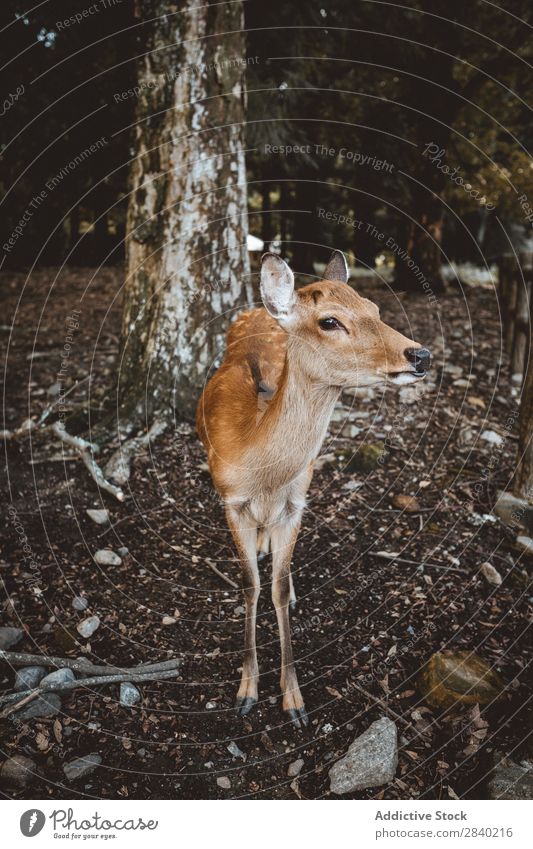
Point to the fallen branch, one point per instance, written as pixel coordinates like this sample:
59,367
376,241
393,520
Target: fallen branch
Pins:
16,658
86,450
387,555
118,467
23,697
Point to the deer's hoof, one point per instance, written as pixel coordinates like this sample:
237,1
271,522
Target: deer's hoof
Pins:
298,717
244,704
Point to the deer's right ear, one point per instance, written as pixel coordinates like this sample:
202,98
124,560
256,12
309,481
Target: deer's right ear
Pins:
277,287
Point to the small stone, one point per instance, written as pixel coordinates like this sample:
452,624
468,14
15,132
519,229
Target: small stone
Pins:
239,611
29,677
462,677
60,676
129,695
80,767
101,517
406,502
123,551
49,704
168,620
526,543
350,431
234,750
10,637
491,575
18,772
224,783
513,511
87,628
370,761
510,780
492,437
295,768
80,603
106,557
210,705
324,461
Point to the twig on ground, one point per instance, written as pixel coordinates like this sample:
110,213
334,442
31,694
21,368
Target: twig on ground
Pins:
388,555
86,450
118,467
15,658
221,575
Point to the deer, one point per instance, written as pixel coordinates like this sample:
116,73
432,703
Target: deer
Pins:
262,419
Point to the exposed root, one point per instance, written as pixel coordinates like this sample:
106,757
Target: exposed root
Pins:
86,450
118,467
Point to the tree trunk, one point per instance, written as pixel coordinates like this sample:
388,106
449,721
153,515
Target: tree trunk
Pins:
419,261
523,479
187,260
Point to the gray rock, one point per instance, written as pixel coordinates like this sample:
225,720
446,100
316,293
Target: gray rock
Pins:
80,603
234,750
223,782
87,628
492,437
101,517
60,676
129,695
525,543
18,772
80,767
49,704
510,780
10,637
370,761
295,768
29,677
123,551
514,512
106,557
491,575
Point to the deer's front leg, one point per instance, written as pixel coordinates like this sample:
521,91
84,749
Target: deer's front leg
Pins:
283,538
246,541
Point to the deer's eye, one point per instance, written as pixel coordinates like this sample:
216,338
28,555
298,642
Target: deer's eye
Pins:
331,323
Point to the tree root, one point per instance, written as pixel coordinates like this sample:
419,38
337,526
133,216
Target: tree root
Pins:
118,467
86,449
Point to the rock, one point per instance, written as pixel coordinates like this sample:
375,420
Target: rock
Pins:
234,750
525,543
350,431
462,677
168,620
10,637
18,772
129,695
491,575
223,782
366,458
510,780
370,761
87,628
49,704
492,437
324,461
406,502
514,512
101,517
210,705
80,767
60,676
29,677
80,603
123,551
106,557
295,768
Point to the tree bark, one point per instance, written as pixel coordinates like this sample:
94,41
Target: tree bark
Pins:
187,261
523,479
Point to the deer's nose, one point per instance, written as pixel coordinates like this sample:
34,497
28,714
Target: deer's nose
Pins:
419,357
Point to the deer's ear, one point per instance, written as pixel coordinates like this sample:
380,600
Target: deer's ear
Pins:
337,268
277,286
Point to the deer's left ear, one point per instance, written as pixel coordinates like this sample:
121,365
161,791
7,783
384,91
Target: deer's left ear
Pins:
277,286
337,268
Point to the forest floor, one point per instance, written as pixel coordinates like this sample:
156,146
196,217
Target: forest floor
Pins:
364,626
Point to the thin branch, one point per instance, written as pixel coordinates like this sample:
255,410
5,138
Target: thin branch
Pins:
86,450
118,467
15,658
222,575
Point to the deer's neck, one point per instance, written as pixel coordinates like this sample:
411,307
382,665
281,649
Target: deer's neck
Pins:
299,414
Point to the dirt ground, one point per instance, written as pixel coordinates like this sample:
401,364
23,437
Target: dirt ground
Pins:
364,626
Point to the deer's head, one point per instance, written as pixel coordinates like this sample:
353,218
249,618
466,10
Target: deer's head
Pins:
337,335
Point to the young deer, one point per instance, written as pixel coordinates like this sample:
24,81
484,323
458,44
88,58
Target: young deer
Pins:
263,416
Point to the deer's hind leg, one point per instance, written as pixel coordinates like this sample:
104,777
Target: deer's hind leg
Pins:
245,537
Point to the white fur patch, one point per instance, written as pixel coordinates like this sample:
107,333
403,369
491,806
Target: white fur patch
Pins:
405,377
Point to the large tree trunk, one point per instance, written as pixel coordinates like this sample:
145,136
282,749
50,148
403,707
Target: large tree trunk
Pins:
523,480
187,261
